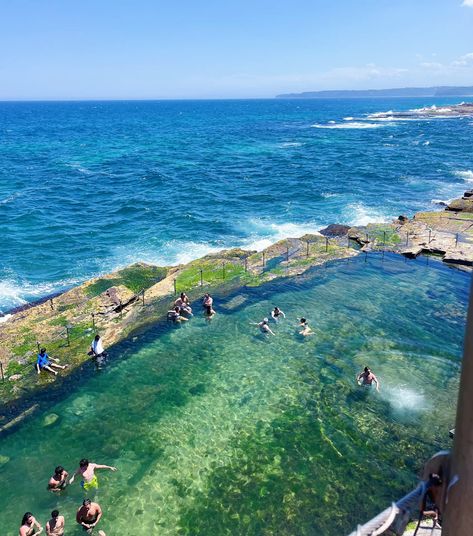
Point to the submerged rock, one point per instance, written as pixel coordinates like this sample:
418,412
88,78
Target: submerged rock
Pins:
4,459
50,419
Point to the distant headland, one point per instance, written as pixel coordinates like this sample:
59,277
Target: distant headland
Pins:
435,91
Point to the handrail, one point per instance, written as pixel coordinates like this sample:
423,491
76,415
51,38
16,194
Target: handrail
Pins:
383,521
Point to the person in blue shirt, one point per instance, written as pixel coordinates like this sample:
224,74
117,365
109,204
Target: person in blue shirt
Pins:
45,362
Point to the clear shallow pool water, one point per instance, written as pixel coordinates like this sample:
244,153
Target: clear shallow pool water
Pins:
216,429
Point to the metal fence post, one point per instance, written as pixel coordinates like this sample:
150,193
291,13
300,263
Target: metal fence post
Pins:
93,321
223,270
1,371
68,327
37,344
307,248
201,278
246,264
430,235
326,244
263,260
175,287
384,238
407,238
121,310
456,240
51,303
143,296
287,253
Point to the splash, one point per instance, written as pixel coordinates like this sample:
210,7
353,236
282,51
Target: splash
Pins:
467,175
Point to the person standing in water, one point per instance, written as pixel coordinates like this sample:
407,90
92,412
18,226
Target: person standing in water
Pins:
28,524
59,480
366,378
276,313
88,515
87,470
55,526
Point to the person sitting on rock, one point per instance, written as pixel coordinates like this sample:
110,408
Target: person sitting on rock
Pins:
366,378
306,330
59,480
184,304
45,362
175,315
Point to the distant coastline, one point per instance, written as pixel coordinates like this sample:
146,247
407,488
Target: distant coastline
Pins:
434,91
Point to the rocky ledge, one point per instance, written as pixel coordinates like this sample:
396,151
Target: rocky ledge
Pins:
120,304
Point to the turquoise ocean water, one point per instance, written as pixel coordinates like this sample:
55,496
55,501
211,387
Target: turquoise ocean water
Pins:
86,187
216,429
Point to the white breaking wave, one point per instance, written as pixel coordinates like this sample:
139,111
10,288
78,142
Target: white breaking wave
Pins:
359,214
290,144
14,294
5,318
353,125
267,233
467,175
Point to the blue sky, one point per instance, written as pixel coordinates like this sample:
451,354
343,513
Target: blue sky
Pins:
145,49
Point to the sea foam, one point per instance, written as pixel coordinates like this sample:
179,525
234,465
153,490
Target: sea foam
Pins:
467,175
351,125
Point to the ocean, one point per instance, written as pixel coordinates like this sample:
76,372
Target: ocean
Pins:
87,187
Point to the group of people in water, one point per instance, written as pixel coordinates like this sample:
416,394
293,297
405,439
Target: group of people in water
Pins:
88,514
365,378
182,310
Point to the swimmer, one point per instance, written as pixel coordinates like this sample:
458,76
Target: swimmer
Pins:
59,480
263,326
28,524
88,515
87,470
55,526
305,331
184,304
44,362
175,315
276,313
366,378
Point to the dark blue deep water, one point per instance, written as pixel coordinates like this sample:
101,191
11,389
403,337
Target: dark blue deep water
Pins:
86,187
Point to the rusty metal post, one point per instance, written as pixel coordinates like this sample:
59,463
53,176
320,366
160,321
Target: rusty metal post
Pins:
1,371
307,248
287,253
51,304
93,321
326,244
143,296
384,239
458,514
121,310
263,260
201,277
175,287
223,270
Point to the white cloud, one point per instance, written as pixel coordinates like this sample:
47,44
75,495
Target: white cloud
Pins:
467,3
466,59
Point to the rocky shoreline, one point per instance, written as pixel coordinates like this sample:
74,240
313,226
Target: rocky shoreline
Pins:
122,303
